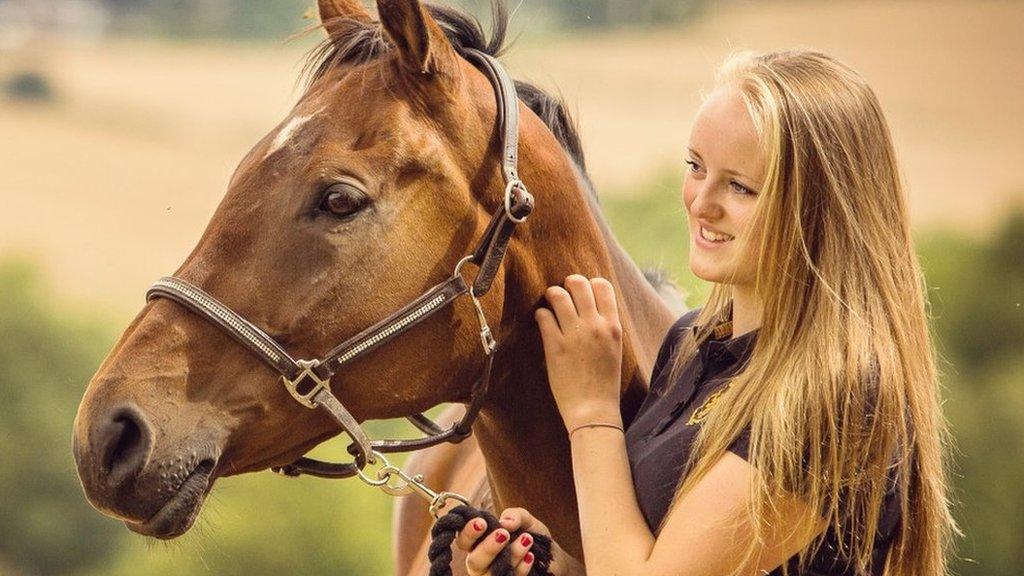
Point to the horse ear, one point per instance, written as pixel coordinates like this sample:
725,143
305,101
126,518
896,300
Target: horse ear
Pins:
334,12
421,43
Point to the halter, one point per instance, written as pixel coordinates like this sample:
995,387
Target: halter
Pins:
308,381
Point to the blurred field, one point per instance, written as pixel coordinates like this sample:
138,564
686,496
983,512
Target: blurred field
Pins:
111,186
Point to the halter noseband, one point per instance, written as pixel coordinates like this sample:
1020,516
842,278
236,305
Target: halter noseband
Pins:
308,381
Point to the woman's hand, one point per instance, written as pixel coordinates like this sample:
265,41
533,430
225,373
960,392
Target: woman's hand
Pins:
483,553
583,350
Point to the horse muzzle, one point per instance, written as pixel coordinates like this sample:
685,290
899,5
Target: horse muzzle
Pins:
155,492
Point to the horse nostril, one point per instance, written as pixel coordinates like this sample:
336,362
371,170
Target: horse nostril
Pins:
125,441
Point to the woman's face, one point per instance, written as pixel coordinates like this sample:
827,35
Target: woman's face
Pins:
725,169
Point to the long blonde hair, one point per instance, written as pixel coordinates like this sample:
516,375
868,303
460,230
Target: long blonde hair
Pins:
841,383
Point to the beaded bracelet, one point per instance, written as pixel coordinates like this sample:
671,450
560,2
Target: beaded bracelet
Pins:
596,425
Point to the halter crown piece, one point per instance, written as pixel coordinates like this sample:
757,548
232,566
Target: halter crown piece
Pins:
308,381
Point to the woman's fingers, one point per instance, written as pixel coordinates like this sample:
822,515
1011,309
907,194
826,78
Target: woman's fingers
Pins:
479,560
469,534
581,298
513,519
604,297
524,567
548,325
522,558
565,310
582,295
483,551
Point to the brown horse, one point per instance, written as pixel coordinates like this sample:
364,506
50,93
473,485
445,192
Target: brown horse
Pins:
381,178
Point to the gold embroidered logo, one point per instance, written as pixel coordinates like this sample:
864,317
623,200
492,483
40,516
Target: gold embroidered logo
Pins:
701,413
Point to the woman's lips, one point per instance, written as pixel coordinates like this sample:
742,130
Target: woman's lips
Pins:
708,244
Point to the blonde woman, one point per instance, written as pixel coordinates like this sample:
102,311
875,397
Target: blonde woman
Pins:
793,423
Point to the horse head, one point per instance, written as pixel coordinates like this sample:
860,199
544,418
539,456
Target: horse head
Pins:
380,181
377,183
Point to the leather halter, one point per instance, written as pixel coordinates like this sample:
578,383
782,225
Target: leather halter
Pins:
308,381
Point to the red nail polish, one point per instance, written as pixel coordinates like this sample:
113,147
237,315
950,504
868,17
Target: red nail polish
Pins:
525,540
528,558
500,537
478,525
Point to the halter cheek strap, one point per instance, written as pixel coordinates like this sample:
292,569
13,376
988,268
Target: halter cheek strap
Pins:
308,381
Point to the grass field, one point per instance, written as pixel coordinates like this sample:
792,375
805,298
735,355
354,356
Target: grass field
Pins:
111,185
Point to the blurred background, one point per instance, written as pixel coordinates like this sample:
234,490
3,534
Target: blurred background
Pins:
122,120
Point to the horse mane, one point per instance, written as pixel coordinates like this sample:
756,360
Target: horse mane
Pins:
358,42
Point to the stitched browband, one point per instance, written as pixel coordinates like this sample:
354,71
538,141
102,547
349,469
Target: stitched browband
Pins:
308,381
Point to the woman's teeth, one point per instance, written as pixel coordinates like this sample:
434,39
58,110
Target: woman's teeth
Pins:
713,236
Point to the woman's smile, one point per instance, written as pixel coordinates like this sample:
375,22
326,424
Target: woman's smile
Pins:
707,239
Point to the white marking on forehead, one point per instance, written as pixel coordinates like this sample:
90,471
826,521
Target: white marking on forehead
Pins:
285,134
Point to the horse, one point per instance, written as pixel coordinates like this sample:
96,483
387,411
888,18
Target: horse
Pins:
372,189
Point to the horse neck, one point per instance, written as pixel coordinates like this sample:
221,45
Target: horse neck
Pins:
520,431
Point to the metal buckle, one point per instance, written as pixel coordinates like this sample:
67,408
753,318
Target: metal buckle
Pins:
319,384
486,338
513,184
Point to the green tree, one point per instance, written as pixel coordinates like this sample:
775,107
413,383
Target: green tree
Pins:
46,526
976,291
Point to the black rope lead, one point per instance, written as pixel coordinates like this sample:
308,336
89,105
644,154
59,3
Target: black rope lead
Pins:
448,526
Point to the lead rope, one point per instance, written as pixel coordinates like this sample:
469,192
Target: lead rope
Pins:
448,526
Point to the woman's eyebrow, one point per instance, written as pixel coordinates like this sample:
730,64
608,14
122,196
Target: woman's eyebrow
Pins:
735,173
726,170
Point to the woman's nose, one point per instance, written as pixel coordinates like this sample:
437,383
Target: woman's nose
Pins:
705,201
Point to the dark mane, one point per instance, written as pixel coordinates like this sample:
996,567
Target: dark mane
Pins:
357,43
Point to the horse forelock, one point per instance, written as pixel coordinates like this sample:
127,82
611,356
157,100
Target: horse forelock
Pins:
355,43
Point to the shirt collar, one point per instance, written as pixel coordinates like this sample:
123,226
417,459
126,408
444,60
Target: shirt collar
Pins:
721,334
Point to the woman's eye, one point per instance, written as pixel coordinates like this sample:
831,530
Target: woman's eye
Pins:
741,188
694,167
342,200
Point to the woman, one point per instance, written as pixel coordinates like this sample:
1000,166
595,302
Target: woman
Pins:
793,422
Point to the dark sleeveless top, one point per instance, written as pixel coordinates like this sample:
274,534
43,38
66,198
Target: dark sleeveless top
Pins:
660,437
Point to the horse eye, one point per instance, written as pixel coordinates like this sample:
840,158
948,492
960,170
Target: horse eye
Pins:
343,200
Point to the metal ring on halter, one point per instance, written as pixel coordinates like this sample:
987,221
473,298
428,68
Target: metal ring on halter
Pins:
512,184
458,267
376,457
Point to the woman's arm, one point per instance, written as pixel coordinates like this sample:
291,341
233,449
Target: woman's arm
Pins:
705,534
707,531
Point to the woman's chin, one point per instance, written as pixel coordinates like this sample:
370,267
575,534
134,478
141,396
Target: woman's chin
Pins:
707,273
719,276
